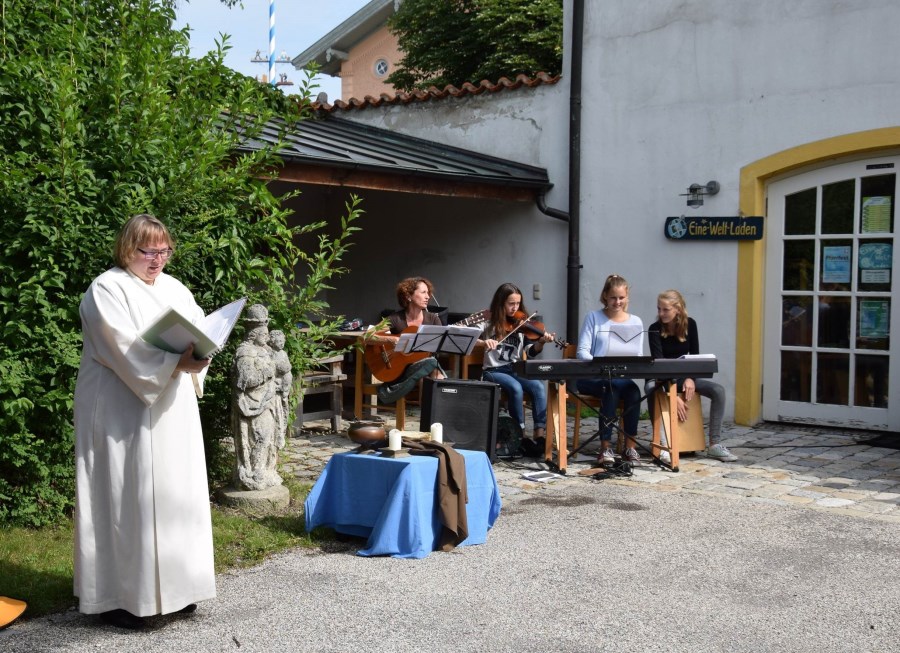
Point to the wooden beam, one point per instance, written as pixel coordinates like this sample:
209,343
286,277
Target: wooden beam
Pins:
400,183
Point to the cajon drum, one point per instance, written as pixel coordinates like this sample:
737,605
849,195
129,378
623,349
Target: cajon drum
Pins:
691,436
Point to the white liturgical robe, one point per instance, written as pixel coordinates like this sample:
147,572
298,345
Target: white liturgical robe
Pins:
143,533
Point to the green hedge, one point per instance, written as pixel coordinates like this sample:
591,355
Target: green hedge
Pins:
103,115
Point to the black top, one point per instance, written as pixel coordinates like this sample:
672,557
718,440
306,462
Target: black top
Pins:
670,346
398,320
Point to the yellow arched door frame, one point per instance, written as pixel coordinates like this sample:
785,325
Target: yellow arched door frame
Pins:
751,253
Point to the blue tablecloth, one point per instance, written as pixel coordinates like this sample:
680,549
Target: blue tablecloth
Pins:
393,501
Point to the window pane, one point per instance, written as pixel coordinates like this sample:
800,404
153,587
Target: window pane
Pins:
873,323
833,379
875,261
837,207
796,375
799,257
796,322
800,212
836,258
872,381
834,321
877,211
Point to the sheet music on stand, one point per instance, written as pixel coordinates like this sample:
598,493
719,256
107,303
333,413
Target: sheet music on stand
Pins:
439,340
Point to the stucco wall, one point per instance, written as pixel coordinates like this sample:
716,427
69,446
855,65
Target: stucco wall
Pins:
678,93
674,93
469,247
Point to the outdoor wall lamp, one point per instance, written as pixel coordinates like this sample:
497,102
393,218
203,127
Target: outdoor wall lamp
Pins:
697,191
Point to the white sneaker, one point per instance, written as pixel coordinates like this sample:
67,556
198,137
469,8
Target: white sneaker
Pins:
607,457
720,452
665,458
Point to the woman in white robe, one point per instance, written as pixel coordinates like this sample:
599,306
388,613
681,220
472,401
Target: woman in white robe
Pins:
143,532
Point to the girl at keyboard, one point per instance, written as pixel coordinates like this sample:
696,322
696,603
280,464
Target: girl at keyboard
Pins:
613,331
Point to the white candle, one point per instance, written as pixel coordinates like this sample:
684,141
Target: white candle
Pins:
394,440
437,432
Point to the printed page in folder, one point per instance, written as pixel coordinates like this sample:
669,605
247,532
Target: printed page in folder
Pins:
174,333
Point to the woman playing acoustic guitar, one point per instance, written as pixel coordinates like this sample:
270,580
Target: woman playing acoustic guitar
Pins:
504,341
413,295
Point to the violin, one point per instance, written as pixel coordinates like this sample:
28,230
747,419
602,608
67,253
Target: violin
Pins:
531,329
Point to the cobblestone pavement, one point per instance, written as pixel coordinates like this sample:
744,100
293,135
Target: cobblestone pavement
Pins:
819,468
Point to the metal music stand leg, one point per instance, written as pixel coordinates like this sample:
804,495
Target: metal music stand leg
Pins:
603,425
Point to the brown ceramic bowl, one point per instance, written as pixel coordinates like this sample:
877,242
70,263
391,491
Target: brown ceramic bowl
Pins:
367,434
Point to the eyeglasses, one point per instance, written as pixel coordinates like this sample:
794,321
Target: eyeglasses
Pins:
151,254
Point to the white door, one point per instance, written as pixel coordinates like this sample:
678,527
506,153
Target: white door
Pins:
830,257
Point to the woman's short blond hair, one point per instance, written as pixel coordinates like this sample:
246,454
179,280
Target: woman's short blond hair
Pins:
140,229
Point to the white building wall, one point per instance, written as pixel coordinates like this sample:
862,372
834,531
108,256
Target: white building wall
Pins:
674,93
469,247
677,93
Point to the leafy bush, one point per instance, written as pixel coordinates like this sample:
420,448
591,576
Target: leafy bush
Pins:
467,41
103,115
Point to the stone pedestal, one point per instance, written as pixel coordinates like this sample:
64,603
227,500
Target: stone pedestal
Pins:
272,499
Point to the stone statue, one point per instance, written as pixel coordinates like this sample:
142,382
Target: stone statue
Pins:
257,412
284,381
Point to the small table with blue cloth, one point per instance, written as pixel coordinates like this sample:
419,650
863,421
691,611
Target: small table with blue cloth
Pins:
394,501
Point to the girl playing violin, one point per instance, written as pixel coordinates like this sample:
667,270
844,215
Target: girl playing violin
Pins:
504,342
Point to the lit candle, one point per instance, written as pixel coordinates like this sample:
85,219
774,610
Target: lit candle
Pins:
437,432
394,440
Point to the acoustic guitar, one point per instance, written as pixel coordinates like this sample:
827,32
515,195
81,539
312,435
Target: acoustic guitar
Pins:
388,365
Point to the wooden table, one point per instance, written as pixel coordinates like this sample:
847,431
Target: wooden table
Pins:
393,501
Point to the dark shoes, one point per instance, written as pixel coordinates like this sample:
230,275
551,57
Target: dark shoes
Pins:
533,448
123,619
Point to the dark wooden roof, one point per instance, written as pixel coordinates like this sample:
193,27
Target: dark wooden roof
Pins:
337,152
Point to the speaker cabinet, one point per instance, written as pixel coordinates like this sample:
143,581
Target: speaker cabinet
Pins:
467,410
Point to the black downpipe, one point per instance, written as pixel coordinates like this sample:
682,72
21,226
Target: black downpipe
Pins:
574,263
573,217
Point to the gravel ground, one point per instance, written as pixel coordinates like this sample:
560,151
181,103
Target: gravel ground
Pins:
589,567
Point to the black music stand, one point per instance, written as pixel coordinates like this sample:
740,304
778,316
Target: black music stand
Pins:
457,340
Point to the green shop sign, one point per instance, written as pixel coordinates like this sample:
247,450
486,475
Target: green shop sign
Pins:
732,228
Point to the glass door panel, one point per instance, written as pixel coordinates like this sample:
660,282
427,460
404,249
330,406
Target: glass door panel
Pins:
830,261
800,212
836,264
796,324
796,375
872,381
834,322
875,257
837,207
877,199
833,379
799,264
874,323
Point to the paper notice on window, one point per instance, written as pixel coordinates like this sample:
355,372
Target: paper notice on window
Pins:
876,214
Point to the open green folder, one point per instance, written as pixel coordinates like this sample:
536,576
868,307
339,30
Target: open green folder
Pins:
175,333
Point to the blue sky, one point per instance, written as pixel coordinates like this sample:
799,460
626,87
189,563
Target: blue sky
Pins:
298,24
